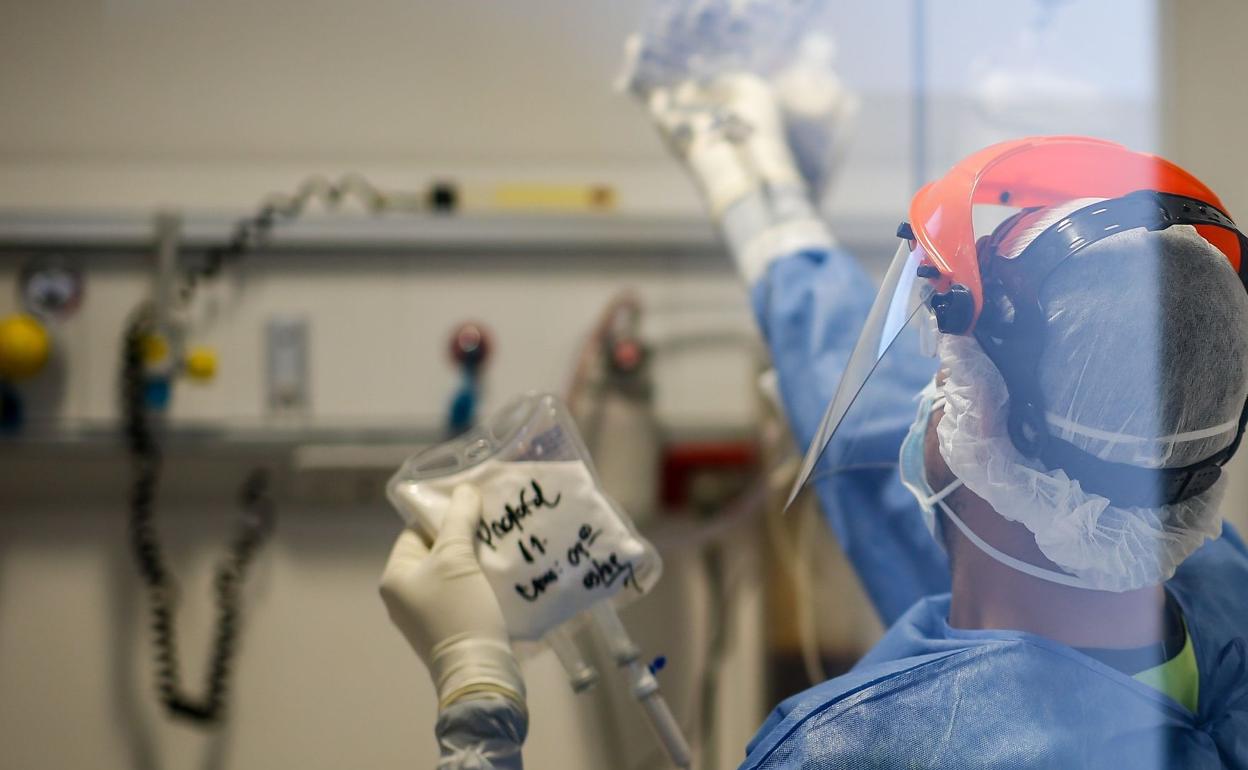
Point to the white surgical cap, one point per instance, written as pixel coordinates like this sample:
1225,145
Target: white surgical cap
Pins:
1145,362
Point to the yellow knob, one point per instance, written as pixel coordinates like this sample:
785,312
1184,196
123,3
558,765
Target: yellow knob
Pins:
201,364
155,348
24,346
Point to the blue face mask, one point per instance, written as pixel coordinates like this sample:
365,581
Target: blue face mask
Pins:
912,466
913,471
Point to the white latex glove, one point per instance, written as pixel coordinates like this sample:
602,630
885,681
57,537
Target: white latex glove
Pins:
443,604
730,133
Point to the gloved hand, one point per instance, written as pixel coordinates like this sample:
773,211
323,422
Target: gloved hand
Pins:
443,604
730,133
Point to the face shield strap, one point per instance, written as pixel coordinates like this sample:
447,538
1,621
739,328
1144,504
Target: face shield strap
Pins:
1012,330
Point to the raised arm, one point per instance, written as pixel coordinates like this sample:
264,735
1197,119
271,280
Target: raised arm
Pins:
810,299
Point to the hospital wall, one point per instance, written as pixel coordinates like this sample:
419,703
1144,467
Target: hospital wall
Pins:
111,109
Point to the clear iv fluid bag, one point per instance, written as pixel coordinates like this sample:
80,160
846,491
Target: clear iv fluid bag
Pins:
700,39
551,544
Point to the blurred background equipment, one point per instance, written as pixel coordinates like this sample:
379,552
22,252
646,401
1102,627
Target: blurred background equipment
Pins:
50,288
24,349
469,348
523,194
24,346
286,364
153,353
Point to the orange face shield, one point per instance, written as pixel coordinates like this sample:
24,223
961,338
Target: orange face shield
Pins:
945,276
1041,172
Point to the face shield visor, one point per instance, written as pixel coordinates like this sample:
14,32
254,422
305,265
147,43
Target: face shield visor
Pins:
900,317
946,257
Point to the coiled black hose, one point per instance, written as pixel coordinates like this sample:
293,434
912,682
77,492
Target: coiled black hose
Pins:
251,232
255,524
258,513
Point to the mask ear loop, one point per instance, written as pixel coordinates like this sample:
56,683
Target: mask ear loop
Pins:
938,500
1005,559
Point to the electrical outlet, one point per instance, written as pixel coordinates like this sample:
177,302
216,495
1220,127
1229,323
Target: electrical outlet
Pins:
286,354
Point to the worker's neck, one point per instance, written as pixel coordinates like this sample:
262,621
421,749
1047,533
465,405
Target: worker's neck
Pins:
990,595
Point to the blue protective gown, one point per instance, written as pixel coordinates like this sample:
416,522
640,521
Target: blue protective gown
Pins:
932,696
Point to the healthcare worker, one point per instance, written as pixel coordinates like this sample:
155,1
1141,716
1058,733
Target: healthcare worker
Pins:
1063,594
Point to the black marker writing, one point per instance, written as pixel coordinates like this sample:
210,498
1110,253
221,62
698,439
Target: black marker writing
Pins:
537,586
513,519
603,574
580,551
537,544
588,534
539,498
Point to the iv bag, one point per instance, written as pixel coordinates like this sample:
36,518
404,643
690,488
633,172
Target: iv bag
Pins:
551,544
787,43
700,39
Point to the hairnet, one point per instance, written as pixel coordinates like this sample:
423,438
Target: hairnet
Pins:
1145,362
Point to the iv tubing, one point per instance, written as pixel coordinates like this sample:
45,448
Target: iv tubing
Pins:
645,687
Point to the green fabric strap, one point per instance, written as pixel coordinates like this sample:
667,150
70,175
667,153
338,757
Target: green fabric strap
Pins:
1178,677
